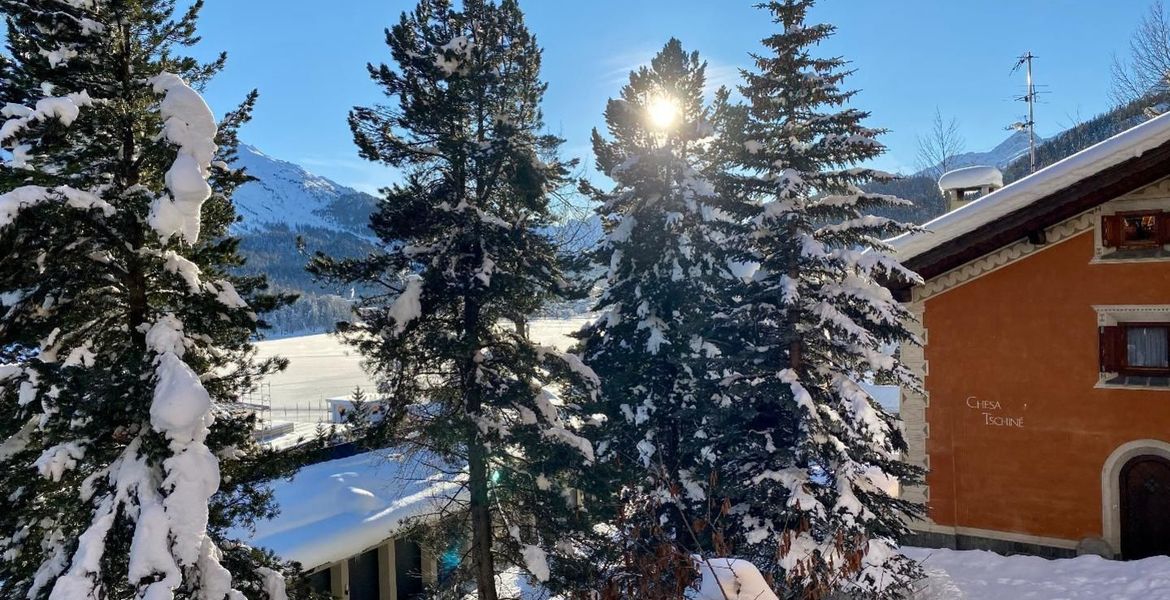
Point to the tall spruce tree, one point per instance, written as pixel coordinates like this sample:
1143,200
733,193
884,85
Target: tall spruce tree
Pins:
463,253
808,467
123,339
657,340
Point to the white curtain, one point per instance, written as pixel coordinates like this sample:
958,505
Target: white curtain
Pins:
1148,347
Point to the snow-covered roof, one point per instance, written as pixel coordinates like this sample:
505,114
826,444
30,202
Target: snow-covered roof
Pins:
1128,144
333,510
967,178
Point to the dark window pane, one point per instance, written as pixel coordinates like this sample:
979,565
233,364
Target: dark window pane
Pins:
363,576
408,565
1147,348
1140,229
321,581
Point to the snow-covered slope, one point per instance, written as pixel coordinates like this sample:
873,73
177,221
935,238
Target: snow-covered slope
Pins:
1015,146
287,205
287,195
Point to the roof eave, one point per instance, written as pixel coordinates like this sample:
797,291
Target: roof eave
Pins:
1094,190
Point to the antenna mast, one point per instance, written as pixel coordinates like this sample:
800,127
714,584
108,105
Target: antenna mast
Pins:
1030,98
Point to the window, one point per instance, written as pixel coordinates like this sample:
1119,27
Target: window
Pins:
363,576
1135,230
1146,347
408,566
1136,349
321,581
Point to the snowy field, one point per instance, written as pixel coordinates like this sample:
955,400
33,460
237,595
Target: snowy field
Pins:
982,575
321,367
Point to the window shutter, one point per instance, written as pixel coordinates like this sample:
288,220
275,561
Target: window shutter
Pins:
1164,227
1111,231
1112,349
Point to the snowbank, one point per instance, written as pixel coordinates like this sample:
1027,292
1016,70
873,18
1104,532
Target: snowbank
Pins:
336,509
1128,144
982,575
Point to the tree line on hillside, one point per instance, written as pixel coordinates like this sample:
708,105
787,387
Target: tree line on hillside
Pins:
1089,132
716,411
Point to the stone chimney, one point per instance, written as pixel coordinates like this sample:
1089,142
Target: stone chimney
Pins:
962,186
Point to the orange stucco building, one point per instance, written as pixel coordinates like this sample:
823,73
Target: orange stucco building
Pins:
1044,322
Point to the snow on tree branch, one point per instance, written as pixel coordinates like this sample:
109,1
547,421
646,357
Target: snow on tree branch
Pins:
189,124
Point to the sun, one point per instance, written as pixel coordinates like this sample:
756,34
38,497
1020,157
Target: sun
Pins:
663,111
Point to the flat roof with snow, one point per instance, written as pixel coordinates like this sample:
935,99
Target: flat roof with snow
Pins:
333,510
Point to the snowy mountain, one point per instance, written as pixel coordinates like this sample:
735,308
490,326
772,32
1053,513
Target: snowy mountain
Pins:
1007,152
287,206
288,196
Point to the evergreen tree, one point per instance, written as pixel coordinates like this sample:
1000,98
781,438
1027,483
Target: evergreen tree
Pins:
464,252
668,279
808,467
124,340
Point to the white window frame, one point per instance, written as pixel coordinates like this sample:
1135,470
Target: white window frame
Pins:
1101,254
1111,315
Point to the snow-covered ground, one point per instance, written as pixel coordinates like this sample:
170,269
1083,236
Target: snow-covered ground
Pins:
321,367
982,575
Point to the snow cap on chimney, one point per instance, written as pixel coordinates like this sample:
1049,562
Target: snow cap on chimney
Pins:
964,185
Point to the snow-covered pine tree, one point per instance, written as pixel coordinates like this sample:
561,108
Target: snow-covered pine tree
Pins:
668,278
464,253
123,339
807,455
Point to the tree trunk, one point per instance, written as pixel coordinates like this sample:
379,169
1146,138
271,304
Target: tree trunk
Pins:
130,176
477,467
521,326
481,521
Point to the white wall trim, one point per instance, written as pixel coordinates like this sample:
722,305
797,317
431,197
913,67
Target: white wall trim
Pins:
339,579
912,408
1153,196
1111,484
1112,314
387,572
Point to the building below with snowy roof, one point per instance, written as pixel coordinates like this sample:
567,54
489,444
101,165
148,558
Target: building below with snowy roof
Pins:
348,523
1044,314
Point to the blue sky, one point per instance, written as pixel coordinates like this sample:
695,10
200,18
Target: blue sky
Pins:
308,59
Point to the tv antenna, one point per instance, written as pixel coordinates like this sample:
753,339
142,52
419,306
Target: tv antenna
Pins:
1030,97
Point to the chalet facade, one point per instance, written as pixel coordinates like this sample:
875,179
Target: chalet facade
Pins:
1044,317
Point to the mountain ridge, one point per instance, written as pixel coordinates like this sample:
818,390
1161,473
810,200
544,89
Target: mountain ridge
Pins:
1011,149
286,213
285,193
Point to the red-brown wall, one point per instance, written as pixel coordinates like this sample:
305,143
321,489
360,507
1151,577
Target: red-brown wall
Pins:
1025,336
